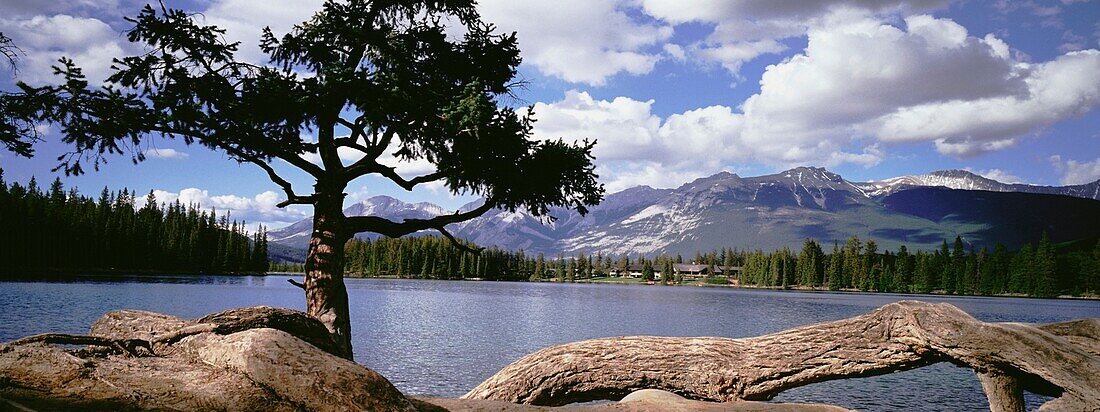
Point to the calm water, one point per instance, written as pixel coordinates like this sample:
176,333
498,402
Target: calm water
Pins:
443,338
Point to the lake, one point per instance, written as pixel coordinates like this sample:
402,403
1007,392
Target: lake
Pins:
442,338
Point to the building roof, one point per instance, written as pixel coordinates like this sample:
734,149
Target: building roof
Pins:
686,268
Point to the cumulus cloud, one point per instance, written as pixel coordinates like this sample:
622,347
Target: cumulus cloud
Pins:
747,29
635,146
930,82
165,153
244,21
256,210
90,42
1076,172
579,41
858,88
998,175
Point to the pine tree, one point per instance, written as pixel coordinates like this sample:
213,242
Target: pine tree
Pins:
666,271
903,275
869,266
1022,271
809,263
1046,282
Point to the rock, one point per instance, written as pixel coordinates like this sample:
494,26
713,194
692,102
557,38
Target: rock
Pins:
250,359
646,400
294,371
137,324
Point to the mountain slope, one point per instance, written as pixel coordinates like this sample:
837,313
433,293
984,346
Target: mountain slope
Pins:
773,211
962,179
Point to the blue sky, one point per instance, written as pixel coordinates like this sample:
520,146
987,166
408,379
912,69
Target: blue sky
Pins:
679,89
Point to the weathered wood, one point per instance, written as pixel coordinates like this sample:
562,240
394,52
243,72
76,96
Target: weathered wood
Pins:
899,336
161,331
1003,391
130,347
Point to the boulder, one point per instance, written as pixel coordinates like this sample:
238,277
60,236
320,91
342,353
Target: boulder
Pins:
249,359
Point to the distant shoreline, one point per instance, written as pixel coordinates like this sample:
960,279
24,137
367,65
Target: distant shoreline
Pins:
599,281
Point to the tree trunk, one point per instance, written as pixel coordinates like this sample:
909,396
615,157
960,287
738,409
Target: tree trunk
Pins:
326,295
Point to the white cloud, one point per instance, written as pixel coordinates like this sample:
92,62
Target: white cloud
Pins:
1066,87
859,87
244,21
31,8
746,29
579,41
165,153
675,51
635,146
732,55
1076,172
998,175
256,210
91,43
862,80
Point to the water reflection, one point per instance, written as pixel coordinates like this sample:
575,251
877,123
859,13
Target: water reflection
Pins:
442,338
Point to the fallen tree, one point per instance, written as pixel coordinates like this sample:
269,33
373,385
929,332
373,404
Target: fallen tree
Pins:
1060,360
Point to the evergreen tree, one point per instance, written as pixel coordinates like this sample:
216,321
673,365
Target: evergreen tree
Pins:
836,266
1045,266
903,275
647,270
809,266
852,262
666,271
1022,270
869,267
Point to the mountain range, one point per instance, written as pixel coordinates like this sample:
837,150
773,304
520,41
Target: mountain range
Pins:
770,212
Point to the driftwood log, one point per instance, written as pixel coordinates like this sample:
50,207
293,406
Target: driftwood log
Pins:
1060,360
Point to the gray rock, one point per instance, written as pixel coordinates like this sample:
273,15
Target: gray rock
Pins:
250,359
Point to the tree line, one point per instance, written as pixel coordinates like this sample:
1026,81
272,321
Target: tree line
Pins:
1036,270
1040,270
58,230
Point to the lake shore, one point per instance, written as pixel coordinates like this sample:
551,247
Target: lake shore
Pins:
104,273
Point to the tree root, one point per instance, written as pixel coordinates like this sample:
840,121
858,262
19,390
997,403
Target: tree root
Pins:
226,322
129,347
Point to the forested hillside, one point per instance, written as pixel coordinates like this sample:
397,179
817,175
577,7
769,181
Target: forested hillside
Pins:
55,230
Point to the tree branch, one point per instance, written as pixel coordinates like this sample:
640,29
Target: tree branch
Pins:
291,197
367,166
393,229
462,246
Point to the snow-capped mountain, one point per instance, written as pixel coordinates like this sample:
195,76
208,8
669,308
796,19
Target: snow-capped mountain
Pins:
297,234
774,211
965,180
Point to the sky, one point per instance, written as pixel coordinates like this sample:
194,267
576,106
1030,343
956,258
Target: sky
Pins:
674,90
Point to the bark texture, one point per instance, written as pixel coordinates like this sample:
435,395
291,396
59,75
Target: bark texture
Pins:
1058,360
326,294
